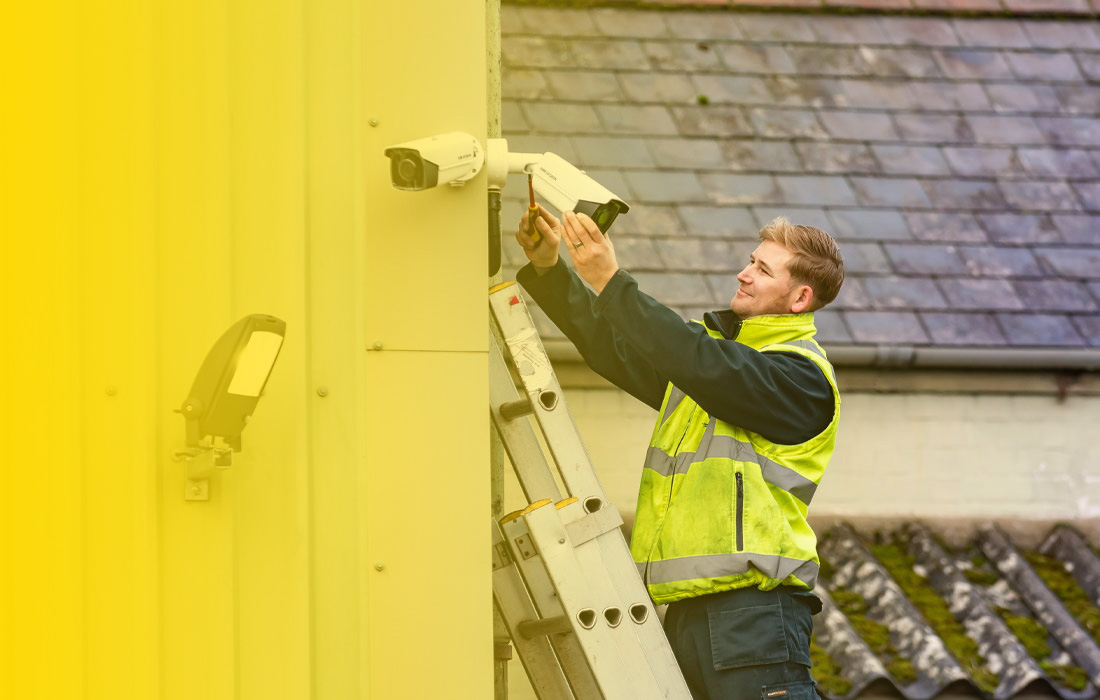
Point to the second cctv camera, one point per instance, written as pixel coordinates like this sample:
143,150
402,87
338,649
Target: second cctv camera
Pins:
418,165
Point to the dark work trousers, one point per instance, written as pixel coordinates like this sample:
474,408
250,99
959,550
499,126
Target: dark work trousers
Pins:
745,644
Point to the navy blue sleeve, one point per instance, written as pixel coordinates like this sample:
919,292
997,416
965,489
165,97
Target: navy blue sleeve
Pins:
783,396
571,306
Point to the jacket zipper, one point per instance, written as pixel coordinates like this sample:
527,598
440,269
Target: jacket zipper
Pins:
740,511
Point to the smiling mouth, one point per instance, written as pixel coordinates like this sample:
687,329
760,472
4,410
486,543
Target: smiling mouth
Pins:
742,291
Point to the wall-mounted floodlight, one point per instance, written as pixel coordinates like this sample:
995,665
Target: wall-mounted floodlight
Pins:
231,380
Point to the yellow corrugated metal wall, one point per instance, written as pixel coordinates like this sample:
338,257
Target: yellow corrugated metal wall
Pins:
168,168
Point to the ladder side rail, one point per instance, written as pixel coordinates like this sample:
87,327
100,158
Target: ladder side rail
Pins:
520,441
536,654
513,320
571,655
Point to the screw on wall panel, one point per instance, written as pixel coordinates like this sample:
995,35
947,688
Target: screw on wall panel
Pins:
111,391
322,391
561,540
378,566
378,345
373,121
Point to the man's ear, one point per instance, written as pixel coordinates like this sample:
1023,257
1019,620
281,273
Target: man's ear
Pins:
803,296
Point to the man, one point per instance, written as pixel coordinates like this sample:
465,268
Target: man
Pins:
748,409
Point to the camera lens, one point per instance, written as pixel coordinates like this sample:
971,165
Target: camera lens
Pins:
408,169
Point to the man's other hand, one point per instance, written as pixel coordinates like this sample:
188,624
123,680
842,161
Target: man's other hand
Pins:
591,250
545,253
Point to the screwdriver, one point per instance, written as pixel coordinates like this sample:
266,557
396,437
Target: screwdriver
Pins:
533,213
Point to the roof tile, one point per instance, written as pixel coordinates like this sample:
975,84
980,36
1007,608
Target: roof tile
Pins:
1070,131
1089,64
594,86
1058,34
862,258
903,293
1079,263
704,154
703,254
910,160
1055,295
702,25
545,21
1078,99
713,120
851,296
889,192
665,186
1043,66
908,63
1039,329
1019,228
991,32
675,288
831,328
920,31
836,157
561,118
535,52
993,261
964,194
786,123
1013,97
629,22
1059,6
805,92
810,189
877,94
829,60
799,216
512,118
610,152
953,227
635,119
747,58
1057,162
772,27
976,162
948,95
1090,194
524,85
972,64
661,87
858,126
650,220
885,327
609,54
868,224
776,156
1089,328
933,128
1041,195
681,55
637,253
962,329
726,188
917,258
743,89
1080,229
850,29
980,294
1005,130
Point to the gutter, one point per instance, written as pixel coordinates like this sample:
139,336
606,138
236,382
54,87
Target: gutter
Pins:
909,356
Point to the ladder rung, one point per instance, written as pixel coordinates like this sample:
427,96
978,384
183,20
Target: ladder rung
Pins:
539,628
516,409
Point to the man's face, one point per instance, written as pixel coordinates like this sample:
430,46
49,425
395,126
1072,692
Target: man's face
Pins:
766,285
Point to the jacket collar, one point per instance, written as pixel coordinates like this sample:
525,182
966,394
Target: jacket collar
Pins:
759,331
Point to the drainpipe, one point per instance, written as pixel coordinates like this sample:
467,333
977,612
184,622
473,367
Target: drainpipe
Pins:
502,648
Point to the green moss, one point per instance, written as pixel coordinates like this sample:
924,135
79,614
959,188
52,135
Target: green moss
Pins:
1062,583
934,609
875,634
702,99
1072,677
827,673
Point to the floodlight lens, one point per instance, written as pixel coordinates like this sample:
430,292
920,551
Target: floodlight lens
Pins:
255,363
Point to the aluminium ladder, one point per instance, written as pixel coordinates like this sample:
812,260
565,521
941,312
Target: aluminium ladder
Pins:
570,594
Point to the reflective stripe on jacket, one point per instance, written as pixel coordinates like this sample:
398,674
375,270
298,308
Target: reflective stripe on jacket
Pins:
720,507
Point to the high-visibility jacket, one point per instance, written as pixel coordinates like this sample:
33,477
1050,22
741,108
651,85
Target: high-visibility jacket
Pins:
720,507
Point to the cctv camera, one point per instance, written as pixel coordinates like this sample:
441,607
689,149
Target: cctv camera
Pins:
567,188
418,165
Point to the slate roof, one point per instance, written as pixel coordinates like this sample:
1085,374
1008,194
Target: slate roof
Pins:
956,159
907,615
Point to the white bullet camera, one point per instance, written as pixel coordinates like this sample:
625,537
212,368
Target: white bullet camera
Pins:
567,188
445,158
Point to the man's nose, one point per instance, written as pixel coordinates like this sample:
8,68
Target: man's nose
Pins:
743,276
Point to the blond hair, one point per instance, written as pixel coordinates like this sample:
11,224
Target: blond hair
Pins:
816,260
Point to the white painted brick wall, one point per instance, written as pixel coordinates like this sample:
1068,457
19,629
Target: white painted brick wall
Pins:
904,454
